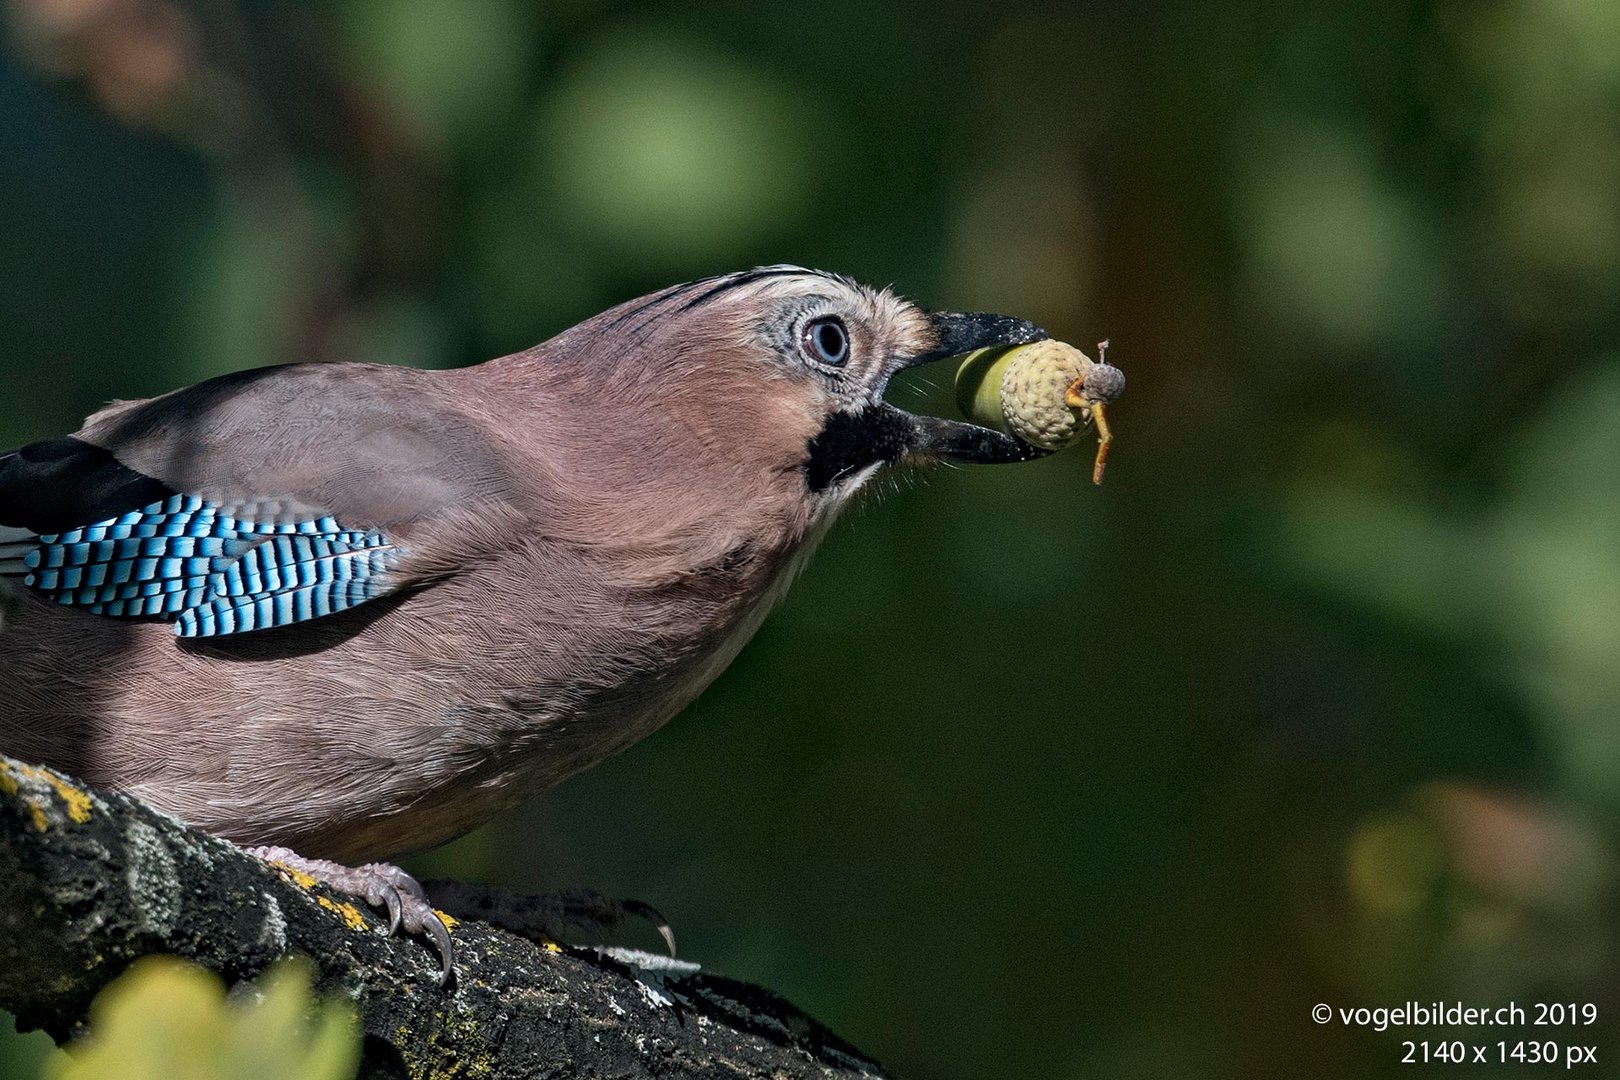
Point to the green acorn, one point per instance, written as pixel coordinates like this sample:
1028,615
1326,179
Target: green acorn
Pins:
1043,393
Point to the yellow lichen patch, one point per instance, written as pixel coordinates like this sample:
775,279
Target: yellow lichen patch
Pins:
77,802
9,786
552,947
297,877
450,921
347,912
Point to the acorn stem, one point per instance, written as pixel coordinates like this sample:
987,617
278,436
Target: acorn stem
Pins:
1104,437
1073,398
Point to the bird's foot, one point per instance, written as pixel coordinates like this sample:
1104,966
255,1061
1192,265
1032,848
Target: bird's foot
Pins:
382,886
547,917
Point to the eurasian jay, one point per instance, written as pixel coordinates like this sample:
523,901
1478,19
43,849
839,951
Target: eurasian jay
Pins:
352,611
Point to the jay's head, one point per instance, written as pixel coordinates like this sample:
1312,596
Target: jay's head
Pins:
784,369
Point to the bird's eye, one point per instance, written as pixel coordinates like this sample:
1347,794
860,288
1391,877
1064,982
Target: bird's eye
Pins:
826,341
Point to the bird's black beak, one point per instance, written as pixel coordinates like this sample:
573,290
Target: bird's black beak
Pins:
954,440
956,334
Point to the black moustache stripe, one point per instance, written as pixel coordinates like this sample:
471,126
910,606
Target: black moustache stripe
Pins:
850,441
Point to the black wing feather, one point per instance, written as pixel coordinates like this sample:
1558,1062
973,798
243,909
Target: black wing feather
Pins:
59,484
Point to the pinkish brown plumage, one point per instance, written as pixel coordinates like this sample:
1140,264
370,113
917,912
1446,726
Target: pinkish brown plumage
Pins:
549,555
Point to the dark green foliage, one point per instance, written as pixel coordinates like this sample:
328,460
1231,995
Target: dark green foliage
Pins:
1315,700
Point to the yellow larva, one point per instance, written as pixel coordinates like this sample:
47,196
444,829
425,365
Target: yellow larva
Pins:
1043,393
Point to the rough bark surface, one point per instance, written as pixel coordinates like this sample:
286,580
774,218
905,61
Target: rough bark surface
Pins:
91,880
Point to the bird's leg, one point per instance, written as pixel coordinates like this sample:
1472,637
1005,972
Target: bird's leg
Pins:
546,917
382,886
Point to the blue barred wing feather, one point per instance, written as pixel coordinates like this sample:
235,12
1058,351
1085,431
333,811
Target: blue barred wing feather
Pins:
206,571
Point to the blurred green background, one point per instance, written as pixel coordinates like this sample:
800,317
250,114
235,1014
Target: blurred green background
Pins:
1316,700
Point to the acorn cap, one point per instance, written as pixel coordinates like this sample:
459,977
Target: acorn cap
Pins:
1033,387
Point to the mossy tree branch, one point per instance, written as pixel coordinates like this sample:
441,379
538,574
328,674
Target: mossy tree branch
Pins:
91,880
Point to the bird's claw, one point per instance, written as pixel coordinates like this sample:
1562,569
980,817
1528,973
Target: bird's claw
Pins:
648,912
390,897
381,885
546,917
